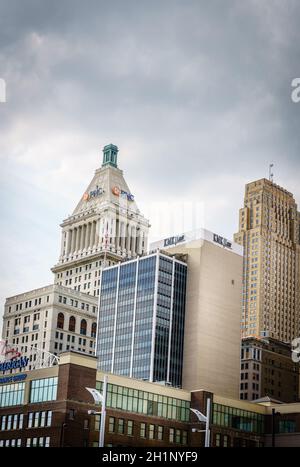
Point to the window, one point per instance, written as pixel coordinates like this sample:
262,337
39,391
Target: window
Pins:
225,441
184,437
86,424
12,394
171,435
94,330
287,426
43,390
151,431
83,327
30,419
218,440
60,320
72,324
111,424
121,426
143,430
130,428
178,436
160,432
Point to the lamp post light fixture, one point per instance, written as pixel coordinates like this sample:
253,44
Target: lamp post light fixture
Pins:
204,419
100,398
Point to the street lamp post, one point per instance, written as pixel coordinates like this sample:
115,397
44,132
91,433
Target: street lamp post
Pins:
98,397
204,419
274,413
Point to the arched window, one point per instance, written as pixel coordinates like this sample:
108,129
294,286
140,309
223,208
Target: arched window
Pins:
94,329
83,327
72,324
60,320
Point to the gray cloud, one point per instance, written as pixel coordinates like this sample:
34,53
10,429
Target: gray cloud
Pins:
196,94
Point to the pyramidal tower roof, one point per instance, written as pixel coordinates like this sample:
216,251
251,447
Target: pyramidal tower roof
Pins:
107,186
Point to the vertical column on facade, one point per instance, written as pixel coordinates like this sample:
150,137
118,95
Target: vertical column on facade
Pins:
133,246
137,239
99,225
87,237
123,234
93,234
126,236
78,238
73,240
134,319
154,320
117,234
113,233
69,241
83,233
62,243
171,323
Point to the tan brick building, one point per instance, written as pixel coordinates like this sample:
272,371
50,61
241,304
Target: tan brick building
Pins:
269,232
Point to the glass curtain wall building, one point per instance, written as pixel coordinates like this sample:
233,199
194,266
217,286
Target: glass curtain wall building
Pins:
141,318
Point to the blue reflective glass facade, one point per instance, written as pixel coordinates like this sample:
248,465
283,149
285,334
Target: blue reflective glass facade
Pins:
141,319
12,394
42,390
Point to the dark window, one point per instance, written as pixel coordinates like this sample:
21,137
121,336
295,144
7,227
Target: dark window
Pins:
72,324
83,327
94,330
60,320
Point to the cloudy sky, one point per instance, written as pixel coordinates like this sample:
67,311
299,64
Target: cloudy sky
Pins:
196,94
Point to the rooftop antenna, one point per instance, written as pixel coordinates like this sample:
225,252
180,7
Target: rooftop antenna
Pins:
271,175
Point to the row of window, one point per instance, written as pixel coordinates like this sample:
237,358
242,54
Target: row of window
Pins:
41,442
41,390
146,431
12,422
83,306
10,443
39,419
72,325
133,400
34,420
28,304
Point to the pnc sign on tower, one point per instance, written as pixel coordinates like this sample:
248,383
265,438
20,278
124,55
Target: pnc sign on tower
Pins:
93,194
124,194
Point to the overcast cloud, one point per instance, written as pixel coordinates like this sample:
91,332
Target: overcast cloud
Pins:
196,94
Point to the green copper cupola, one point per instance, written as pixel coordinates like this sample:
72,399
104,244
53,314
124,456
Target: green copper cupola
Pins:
110,155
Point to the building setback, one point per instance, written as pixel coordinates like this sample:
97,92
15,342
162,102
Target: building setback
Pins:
141,318
211,357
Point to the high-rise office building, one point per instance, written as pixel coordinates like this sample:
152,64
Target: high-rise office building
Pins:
211,357
105,227
269,231
141,318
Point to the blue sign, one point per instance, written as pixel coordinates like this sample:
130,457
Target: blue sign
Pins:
13,364
13,378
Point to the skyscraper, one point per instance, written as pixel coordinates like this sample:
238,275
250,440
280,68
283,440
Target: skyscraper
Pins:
269,230
106,226
141,318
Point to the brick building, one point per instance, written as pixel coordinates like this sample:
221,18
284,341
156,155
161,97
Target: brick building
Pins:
49,407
